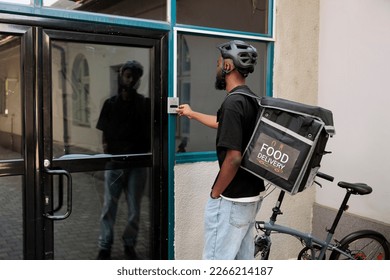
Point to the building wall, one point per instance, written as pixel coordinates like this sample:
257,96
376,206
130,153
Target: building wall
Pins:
354,67
334,54
295,77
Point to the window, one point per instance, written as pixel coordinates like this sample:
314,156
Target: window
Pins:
80,80
151,9
80,91
184,87
27,2
243,15
197,60
9,87
11,117
9,50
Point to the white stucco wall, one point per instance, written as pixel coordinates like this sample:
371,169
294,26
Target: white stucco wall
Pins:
295,77
354,82
192,188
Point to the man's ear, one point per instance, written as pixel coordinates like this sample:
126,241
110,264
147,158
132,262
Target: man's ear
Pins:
228,66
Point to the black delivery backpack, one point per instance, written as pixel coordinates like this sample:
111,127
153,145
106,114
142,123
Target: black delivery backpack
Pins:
288,143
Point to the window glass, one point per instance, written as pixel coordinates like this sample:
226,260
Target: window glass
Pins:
76,238
197,62
27,2
10,98
93,112
252,15
151,9
80,77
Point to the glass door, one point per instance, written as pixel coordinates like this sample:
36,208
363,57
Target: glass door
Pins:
16,182
100,179
81,143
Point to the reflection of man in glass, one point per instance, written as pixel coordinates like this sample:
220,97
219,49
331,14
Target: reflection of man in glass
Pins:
124,121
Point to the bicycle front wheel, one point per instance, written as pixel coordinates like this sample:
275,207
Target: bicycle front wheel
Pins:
363,245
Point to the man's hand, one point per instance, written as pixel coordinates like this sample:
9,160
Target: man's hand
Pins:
184,110
208,120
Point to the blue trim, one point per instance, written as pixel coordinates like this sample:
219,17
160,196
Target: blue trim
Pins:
83,16
271,17
171,186
173,12
195,157
219,30
270,67
171,141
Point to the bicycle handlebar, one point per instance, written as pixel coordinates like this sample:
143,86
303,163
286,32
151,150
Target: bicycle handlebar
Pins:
325,176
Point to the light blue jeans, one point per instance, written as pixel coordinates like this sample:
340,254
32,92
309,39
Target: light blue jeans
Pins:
132,182
229,230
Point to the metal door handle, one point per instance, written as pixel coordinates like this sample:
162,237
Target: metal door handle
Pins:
61,173
60,194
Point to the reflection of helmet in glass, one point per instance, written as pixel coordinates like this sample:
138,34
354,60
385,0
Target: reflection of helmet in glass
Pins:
244,56
137,70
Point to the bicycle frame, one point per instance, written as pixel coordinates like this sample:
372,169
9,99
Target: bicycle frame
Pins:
268,227
307,238
316,246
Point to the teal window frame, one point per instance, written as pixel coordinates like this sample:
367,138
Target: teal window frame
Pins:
199,30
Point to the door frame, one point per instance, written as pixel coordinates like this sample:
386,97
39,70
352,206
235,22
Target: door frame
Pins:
36,69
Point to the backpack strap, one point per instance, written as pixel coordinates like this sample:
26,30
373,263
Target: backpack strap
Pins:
254,96
256,101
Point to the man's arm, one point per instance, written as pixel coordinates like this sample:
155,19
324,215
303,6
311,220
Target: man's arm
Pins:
228,170
208,120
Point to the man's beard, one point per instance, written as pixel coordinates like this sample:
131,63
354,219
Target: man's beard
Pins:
129,87
220,82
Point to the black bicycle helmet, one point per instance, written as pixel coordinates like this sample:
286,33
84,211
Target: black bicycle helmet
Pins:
244,56
136,68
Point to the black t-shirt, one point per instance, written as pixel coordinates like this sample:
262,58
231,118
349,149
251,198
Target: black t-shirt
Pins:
126,124
236,122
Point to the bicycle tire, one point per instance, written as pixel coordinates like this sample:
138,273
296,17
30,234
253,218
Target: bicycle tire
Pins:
363,245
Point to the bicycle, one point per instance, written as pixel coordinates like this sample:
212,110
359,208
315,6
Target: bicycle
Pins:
359,245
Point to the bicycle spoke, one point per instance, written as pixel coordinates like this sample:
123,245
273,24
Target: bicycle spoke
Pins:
366,249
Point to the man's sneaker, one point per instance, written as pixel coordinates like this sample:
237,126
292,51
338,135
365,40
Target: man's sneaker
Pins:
104,255
130,253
